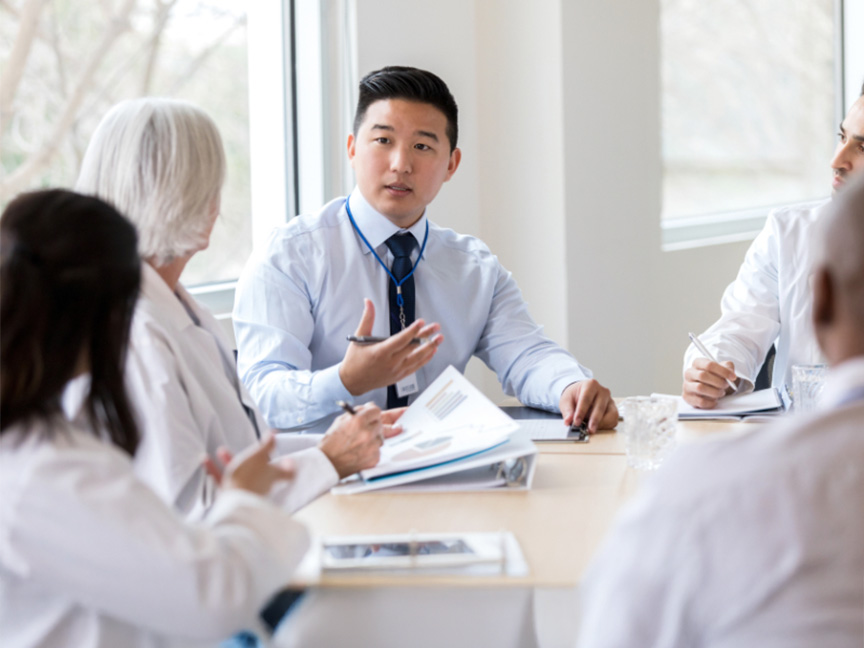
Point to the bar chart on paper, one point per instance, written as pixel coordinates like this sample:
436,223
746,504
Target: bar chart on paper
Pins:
445,401
449,420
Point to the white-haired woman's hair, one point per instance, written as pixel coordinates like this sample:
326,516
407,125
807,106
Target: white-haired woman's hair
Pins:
160,162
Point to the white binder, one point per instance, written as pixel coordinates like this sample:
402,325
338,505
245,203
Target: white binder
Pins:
508,466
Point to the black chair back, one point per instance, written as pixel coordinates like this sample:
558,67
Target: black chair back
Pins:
763,380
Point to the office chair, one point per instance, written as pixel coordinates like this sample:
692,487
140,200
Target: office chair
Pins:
763,380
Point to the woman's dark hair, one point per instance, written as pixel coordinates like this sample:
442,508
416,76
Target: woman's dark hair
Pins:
411,84
69,278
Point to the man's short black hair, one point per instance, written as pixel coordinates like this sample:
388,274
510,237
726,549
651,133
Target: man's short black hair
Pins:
411,84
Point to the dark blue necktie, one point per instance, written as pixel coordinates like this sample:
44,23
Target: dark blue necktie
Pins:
401,245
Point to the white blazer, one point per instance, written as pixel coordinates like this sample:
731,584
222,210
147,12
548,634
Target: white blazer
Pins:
770,301
182,380
90,557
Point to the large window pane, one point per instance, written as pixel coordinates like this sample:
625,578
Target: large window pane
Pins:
67,62
748,103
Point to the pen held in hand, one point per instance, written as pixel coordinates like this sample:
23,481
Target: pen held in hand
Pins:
372,339
347,407
705,352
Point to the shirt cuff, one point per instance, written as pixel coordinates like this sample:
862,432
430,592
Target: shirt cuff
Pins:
745,386
562,384
327,386
315,475
232,499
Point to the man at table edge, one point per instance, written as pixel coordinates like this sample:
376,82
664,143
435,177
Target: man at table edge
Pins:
769,301
294,310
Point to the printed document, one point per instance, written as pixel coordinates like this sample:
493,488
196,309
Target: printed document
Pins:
451,419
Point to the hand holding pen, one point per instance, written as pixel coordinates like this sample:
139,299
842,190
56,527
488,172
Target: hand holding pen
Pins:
389,419
706,381
354,440
369,365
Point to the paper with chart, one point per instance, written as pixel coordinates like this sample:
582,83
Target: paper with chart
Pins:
449,420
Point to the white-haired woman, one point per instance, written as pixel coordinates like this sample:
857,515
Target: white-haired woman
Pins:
161,163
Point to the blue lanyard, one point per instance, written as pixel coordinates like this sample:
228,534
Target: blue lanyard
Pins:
399,300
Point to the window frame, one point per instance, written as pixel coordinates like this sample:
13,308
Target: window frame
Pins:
687,232
310,74
272,136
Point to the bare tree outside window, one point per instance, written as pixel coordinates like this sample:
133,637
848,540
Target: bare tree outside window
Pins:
66,62
747,103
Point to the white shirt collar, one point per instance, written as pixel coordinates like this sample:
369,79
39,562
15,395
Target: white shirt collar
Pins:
376,227
842,380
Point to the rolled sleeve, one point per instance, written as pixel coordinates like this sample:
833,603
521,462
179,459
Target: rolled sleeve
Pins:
750,311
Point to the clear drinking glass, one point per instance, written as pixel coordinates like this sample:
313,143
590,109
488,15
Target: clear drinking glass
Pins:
649,429
808,381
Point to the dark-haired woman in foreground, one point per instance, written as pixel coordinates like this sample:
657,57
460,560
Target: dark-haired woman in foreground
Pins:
90,556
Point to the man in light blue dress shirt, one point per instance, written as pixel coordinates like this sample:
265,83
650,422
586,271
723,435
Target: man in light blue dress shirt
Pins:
300,297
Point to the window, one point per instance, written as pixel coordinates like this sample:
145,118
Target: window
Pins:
66,63
749,108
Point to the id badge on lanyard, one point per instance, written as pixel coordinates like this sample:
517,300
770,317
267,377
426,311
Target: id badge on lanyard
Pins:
407,385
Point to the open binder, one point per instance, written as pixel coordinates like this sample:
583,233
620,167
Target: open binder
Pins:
454,438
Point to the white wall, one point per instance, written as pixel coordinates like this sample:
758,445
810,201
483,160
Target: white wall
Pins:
559,127
438,36
633,302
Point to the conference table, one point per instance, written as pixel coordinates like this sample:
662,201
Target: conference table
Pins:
559,524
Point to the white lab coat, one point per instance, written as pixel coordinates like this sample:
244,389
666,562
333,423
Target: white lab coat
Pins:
181,377
91,557
770,302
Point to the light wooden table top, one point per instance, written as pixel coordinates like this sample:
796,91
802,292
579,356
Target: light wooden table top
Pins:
610,442
558,523
578,488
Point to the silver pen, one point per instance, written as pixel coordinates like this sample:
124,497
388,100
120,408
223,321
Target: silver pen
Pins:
705,352
371,339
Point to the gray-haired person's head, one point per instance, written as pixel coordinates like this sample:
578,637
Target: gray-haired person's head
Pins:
160,162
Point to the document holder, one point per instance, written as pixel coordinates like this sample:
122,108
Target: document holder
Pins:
508,466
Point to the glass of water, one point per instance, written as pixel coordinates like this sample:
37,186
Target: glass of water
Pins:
808,381
649,429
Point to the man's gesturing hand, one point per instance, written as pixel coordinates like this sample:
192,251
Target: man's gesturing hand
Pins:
368,367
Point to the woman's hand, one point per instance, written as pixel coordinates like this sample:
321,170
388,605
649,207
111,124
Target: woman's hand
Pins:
251,470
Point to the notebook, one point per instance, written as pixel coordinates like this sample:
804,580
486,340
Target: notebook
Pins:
765,402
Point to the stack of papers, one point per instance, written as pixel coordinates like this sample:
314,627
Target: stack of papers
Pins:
450,428
765,402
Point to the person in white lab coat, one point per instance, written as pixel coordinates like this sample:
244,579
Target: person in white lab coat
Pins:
769,302
757,539
161,163
89,555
